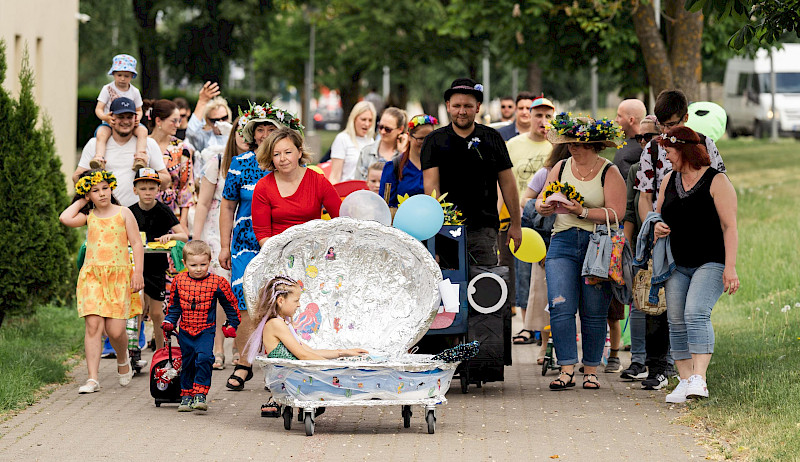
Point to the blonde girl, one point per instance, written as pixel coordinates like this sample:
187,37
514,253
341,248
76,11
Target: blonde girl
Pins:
347,146
275,336
106,280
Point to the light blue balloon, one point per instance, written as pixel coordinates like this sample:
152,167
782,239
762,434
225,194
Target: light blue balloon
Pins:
421,216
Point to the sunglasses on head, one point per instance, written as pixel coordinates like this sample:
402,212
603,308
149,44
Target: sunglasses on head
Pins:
645,136
219,119
384,128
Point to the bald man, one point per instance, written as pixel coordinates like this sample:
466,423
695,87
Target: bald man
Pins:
629,113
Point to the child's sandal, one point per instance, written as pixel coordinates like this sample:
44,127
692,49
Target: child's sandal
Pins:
91,386
125,379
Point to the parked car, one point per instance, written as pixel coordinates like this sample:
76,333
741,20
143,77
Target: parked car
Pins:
748,98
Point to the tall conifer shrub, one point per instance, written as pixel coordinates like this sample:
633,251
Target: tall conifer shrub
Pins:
36,264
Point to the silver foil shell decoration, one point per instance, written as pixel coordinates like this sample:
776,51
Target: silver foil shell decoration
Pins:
365,285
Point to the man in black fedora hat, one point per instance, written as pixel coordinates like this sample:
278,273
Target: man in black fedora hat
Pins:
468,161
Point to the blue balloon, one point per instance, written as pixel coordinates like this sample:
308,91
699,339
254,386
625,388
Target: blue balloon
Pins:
421,216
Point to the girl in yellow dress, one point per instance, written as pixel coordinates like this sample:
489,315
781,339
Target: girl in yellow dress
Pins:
106,280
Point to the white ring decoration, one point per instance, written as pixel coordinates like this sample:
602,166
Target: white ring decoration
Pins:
503,293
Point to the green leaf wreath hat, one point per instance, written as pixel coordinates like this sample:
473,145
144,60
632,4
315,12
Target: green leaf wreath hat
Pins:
566,129
265,113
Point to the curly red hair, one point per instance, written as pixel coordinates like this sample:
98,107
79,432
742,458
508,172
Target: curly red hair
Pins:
689,145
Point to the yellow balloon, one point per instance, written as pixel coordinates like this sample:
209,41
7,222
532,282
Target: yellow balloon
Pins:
316,169
532,249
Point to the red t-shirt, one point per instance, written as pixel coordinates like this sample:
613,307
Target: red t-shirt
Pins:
273,214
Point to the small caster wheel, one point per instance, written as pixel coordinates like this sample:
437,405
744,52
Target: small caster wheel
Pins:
430,418
287,417
464,383
545,365
158,404
407,416
309,422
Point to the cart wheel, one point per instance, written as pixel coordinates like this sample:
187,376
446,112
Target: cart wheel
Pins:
430,418
309,421
287,417
407,416
158,404
464,382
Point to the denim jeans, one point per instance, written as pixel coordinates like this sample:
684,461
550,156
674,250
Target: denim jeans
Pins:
523,282
691,294
637,325
568,294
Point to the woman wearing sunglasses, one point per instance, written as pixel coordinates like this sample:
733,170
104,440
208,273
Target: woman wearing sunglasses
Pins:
403,173
393,140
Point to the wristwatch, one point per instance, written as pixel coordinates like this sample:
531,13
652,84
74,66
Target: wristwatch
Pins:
584,214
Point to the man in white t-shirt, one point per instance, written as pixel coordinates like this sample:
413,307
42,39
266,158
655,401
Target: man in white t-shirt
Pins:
119,157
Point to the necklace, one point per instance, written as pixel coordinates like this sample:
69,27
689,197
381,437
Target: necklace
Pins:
583,177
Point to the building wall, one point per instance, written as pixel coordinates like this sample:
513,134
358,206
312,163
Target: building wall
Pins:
49,30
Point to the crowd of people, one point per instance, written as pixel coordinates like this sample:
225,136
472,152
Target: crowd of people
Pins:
216,188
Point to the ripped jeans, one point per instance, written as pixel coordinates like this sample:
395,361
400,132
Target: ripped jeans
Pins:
568,295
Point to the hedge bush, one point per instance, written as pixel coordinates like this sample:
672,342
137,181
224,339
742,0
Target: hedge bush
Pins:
87,100
37,264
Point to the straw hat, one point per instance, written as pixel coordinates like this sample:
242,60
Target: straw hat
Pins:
566,129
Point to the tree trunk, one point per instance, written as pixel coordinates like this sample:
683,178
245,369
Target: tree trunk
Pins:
2,316
685,39
350,95
150,72
533,80
657,63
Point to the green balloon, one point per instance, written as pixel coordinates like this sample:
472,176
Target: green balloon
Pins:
707,118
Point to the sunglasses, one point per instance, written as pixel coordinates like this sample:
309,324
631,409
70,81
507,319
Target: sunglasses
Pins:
219,119
185,116
645,136
384,128
507,107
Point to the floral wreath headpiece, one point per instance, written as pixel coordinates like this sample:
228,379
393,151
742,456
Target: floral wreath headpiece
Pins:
268,112
674,140
84,185
416,121
586,129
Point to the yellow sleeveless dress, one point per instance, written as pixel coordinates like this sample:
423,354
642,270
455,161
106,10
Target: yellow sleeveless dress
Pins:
104,283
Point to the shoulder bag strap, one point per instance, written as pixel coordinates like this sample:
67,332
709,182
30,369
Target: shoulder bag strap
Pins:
561,170
603,175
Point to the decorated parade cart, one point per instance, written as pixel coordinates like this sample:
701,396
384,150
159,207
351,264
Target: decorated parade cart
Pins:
365,285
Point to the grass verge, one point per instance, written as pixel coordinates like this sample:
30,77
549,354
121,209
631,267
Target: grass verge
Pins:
754,377
34,352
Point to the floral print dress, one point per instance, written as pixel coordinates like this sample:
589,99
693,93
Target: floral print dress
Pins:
178,159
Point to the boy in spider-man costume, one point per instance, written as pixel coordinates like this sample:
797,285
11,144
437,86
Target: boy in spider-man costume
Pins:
192,300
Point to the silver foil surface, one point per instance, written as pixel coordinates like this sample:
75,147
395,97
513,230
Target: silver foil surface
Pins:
365,285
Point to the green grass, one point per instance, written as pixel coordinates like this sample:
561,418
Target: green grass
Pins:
35,352
754,377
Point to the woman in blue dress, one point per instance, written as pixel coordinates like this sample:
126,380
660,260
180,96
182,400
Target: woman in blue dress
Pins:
237,239
403,174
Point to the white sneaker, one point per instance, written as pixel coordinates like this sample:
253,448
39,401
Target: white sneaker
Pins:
697,387
91,386
678,395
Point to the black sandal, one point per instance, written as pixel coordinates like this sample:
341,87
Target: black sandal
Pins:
271,413
592,384
559,384
526,339
239,381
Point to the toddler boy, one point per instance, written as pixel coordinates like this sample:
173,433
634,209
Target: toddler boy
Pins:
374,173
192,301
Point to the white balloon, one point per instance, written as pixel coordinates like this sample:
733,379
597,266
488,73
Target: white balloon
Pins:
366,205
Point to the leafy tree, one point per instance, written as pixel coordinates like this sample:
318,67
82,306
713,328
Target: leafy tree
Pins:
761,21
110,31
36,266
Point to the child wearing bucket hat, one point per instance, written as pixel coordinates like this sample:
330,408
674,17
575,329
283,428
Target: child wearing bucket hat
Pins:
123,68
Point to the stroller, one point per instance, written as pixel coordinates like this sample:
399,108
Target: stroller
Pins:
379,292
165,373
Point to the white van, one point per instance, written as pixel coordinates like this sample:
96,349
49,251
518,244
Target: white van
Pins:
748,100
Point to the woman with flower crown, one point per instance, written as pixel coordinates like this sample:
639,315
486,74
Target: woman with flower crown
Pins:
238,244
586,183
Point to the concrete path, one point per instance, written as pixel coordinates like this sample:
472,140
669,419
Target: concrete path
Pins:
519,419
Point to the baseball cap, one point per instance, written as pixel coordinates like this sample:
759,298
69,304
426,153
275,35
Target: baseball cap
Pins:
122,105
542,101
146,173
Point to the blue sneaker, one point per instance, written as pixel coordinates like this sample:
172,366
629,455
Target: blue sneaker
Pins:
186,404
199,402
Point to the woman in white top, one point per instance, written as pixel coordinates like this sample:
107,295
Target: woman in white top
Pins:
347,146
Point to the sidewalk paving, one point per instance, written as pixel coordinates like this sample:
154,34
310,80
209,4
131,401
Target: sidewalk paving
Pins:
519,419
